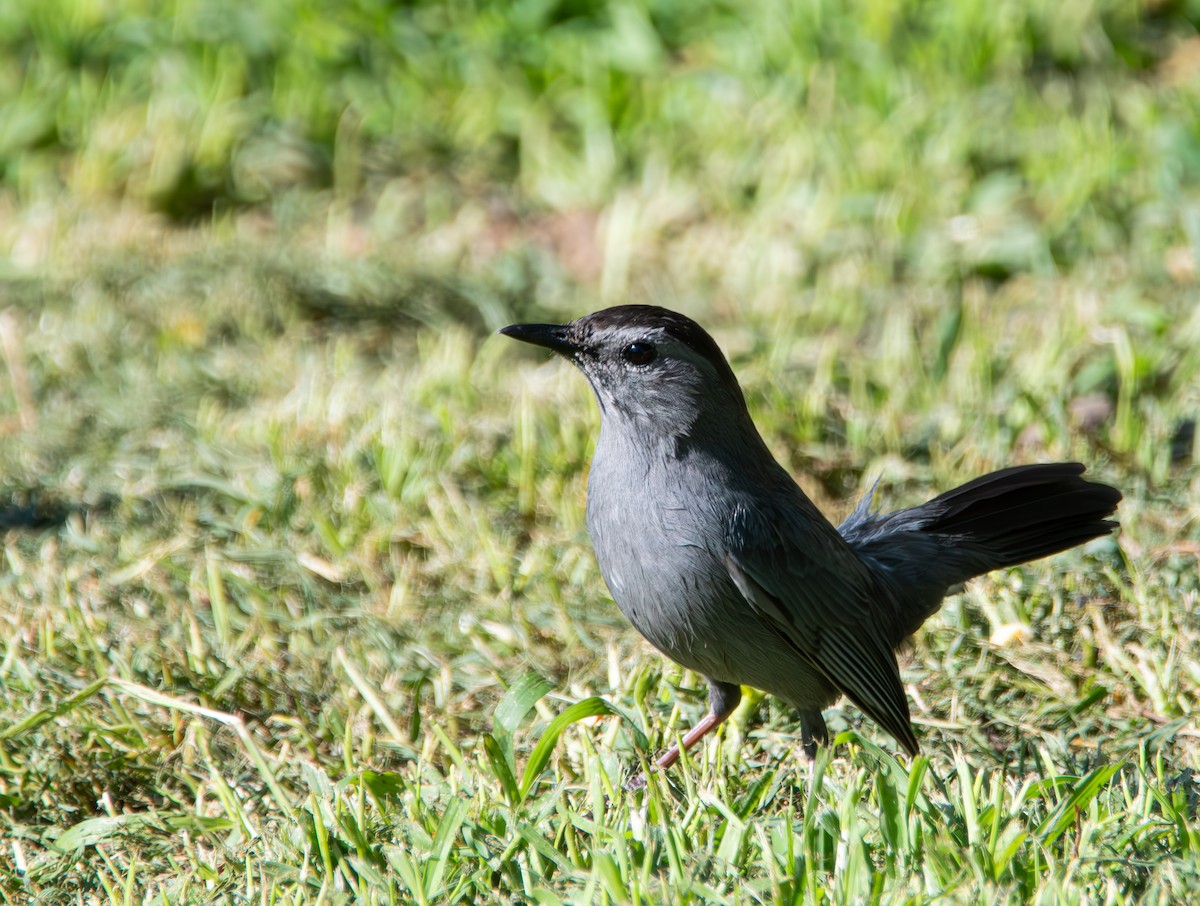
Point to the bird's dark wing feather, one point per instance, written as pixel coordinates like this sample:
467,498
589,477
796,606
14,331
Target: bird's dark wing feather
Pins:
802,578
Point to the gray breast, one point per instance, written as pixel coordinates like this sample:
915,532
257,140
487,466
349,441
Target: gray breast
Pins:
657,554
660,556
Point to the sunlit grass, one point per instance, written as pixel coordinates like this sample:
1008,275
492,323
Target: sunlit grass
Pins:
297,604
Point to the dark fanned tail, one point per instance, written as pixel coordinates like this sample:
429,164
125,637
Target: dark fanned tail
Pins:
1002,519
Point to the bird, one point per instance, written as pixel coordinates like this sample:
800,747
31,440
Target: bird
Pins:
718,558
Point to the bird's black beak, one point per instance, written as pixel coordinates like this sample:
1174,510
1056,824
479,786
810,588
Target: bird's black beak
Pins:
551,336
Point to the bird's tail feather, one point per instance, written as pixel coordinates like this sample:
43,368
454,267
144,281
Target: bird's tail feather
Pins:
1001,519
1022,513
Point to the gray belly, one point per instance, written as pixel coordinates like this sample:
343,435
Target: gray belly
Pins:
676,591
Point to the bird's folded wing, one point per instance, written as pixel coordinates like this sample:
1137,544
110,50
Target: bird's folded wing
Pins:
818,597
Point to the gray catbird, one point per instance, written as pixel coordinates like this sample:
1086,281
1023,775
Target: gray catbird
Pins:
719,559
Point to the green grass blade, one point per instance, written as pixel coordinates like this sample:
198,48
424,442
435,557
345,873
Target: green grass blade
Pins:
35,720
502,768
1081,796
516,703
436,864
589,707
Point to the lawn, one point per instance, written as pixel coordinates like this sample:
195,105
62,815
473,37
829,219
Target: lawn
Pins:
297,603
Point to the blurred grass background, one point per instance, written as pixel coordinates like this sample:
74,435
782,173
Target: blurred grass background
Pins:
283,523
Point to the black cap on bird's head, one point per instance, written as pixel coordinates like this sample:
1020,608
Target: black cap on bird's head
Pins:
644,361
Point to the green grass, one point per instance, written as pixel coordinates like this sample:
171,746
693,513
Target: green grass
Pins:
296,602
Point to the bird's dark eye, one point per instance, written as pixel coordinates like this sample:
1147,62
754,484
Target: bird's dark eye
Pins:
639,353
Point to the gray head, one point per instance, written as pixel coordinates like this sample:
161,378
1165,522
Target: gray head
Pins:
651,368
